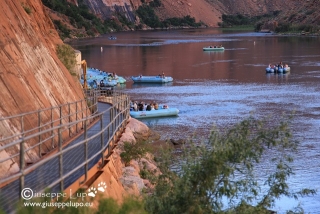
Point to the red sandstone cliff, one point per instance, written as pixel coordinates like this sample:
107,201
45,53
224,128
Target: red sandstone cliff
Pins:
31,75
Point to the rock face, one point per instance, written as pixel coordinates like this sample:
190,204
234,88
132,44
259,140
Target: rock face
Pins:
210,11
31,75
122,180
106,9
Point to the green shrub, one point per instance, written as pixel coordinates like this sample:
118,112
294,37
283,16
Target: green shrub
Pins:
108,205
64,32
67,56
27,9
283,27
148,16
155,3
132,151
221,170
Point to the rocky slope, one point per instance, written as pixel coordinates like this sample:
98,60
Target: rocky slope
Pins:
210,11
123,181
31,75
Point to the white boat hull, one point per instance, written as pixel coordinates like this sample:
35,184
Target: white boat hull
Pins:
213,49
151,79
154,113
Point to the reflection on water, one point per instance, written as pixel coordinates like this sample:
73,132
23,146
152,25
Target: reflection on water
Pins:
223,88
144,85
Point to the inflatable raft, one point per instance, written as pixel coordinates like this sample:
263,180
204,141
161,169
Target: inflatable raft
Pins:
95,76
278,70
213,48
162,112
151,79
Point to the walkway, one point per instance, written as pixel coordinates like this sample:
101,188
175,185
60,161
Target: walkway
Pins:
60,170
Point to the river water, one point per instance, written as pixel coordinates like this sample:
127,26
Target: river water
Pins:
222,88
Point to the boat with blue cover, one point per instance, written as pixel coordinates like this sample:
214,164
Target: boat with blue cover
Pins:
151,79
96,76
161,112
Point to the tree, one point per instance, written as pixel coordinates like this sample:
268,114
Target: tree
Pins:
224,168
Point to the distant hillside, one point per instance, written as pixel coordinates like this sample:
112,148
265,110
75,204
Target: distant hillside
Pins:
81,18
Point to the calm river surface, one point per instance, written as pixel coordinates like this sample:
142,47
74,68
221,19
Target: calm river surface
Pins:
222,88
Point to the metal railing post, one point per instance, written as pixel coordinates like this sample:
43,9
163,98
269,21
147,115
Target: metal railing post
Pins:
60,110
60,160
22,161
22,166
69,113
102,136
52,132
77,117
39,126
110,116
85,152
82,112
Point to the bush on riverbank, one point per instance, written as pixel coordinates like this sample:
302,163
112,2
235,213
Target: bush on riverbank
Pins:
244,20
223,168
134,151
287,27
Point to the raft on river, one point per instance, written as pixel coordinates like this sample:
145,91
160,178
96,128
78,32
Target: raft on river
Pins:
277,70
161,112
151,79
213,48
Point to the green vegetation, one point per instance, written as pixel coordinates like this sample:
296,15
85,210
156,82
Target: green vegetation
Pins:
87,24
67,56
286,28
130,205
224,169
155,3
236,21
26,8
81,18
243,20
133,151
64,31
148,17
239,28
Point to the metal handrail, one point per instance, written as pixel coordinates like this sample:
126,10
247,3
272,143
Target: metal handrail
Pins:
118,114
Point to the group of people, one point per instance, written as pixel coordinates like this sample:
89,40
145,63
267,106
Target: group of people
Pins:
101,72
215,46
277,66
162,75
142,106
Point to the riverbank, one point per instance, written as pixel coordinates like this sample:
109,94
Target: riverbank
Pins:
125,180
